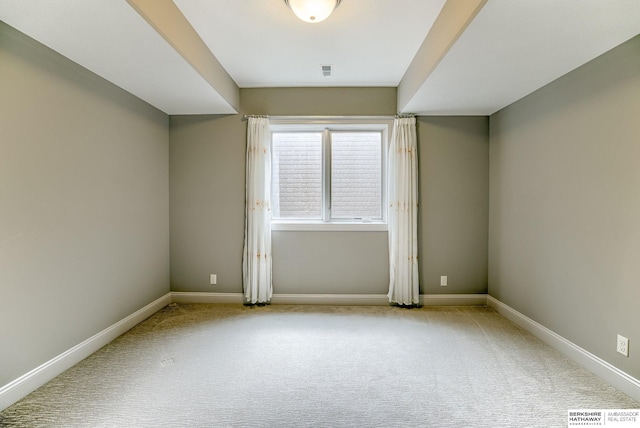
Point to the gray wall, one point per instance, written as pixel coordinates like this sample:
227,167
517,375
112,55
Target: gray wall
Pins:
565,205
454,203
207,156
83,204
207,202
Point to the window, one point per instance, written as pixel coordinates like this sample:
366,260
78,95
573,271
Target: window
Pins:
328,176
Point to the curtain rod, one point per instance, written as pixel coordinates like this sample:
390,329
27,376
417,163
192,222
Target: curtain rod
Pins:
397,116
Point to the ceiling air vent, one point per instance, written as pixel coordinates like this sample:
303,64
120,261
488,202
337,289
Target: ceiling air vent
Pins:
326,70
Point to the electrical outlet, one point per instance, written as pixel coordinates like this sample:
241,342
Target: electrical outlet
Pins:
623,345
213,280
443,281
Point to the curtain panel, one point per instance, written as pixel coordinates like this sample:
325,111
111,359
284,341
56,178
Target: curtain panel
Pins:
256,260
404,286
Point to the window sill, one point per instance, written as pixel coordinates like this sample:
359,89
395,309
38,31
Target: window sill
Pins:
328,227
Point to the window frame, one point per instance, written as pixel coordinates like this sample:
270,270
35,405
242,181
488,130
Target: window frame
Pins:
326,126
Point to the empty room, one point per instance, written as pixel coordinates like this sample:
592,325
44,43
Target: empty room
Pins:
319,213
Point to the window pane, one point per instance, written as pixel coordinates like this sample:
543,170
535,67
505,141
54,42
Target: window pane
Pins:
296,190
356,175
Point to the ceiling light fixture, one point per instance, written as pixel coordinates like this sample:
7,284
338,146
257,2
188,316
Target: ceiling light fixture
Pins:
312,10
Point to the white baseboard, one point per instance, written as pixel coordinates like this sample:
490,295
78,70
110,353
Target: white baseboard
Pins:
596,365
453,299
284,299
25,384
198,297
332,299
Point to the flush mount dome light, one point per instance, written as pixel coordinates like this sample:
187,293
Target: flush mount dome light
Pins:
312,10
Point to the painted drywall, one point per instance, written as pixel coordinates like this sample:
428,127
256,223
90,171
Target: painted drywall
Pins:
454,203
207,202
319,101
330,262
84,204
207,175
207,156
565,203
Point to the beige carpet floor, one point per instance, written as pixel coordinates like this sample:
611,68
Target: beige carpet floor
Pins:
197,365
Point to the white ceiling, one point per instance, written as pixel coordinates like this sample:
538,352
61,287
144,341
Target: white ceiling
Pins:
261,43
510,49
514,47
109,38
